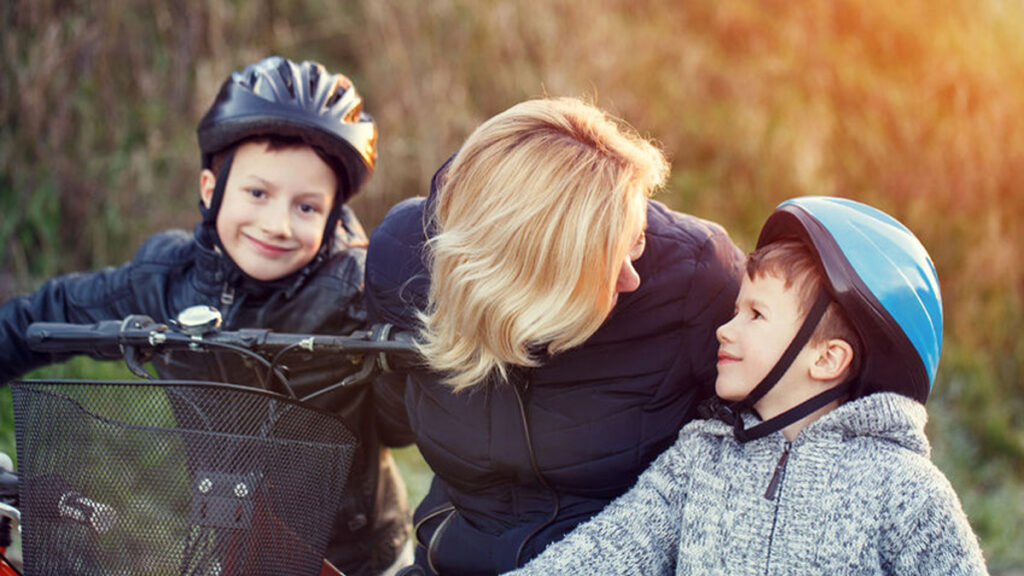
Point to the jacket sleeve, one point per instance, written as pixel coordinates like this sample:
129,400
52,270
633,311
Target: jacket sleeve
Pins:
638,533
395,288
389,404
74,298
934,537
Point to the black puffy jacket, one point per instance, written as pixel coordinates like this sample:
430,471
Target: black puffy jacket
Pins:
519,465
173,270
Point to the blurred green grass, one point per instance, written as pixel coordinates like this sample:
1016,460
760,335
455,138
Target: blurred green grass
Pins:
914,106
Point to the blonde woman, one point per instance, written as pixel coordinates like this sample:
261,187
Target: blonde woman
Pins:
568,321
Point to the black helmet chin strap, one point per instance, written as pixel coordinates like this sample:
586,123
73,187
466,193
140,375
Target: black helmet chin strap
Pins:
333,219
732,414
210,213
789,416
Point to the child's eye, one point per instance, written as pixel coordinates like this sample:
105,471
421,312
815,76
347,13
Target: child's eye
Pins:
256,193
308,209
755,314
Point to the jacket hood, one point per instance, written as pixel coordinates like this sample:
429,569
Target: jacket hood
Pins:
435,184
884,415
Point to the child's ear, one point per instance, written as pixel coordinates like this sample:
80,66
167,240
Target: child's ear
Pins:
207,182
834,358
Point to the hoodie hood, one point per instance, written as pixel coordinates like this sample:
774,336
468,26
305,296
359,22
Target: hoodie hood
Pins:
885,415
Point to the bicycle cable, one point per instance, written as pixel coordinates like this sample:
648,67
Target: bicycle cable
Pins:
277,358
271,370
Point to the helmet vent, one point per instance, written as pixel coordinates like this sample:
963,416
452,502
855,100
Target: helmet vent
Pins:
314,79
335,96
355,113
293,98
285,71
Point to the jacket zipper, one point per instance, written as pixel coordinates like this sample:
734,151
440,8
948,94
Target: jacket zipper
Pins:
556,508
431,545
780,471
227,299
774,486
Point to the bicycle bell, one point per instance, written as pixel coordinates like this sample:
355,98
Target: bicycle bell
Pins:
198,320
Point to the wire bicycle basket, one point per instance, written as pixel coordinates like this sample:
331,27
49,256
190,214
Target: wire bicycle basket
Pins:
175,478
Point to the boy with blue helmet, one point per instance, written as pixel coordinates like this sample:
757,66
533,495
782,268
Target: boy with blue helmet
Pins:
818,463
284,146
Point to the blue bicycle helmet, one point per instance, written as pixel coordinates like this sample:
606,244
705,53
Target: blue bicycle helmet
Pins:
277,96
882,277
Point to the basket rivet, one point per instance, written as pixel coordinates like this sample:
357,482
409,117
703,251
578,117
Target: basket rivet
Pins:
205,485
241,490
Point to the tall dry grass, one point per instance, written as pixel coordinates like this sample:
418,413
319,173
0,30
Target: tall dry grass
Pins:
915,106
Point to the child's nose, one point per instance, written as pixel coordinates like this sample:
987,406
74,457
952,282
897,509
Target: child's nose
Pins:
722,333
276,225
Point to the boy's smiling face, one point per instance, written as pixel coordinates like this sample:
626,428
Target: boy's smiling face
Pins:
272,217
767,318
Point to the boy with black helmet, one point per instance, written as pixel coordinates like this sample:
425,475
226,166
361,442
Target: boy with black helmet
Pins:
284,146
820,464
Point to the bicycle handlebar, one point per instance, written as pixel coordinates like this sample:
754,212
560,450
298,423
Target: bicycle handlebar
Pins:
135,338
101,339
391,350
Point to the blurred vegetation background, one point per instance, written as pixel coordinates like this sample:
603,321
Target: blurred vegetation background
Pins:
915,106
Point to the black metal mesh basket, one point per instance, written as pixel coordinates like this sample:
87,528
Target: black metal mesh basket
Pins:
175,478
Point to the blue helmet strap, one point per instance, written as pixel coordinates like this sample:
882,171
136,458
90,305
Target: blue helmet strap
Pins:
772,378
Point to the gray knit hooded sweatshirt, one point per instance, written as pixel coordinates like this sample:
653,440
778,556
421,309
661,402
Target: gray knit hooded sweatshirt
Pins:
854,493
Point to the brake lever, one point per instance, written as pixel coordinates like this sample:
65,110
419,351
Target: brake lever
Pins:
366,372
134,358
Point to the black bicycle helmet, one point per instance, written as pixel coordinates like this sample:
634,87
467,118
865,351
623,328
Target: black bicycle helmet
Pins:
277,96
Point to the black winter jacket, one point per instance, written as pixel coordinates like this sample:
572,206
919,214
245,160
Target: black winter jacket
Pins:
519,465
173,270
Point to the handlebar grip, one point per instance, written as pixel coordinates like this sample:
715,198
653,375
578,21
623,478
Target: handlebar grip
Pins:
100,339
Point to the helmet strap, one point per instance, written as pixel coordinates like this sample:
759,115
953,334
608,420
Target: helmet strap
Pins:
330,228
210,237
803,336
790,416
210,213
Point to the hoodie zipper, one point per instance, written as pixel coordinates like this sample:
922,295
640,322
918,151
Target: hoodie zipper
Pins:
772,493
780,471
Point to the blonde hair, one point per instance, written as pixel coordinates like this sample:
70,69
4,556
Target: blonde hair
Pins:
534,219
